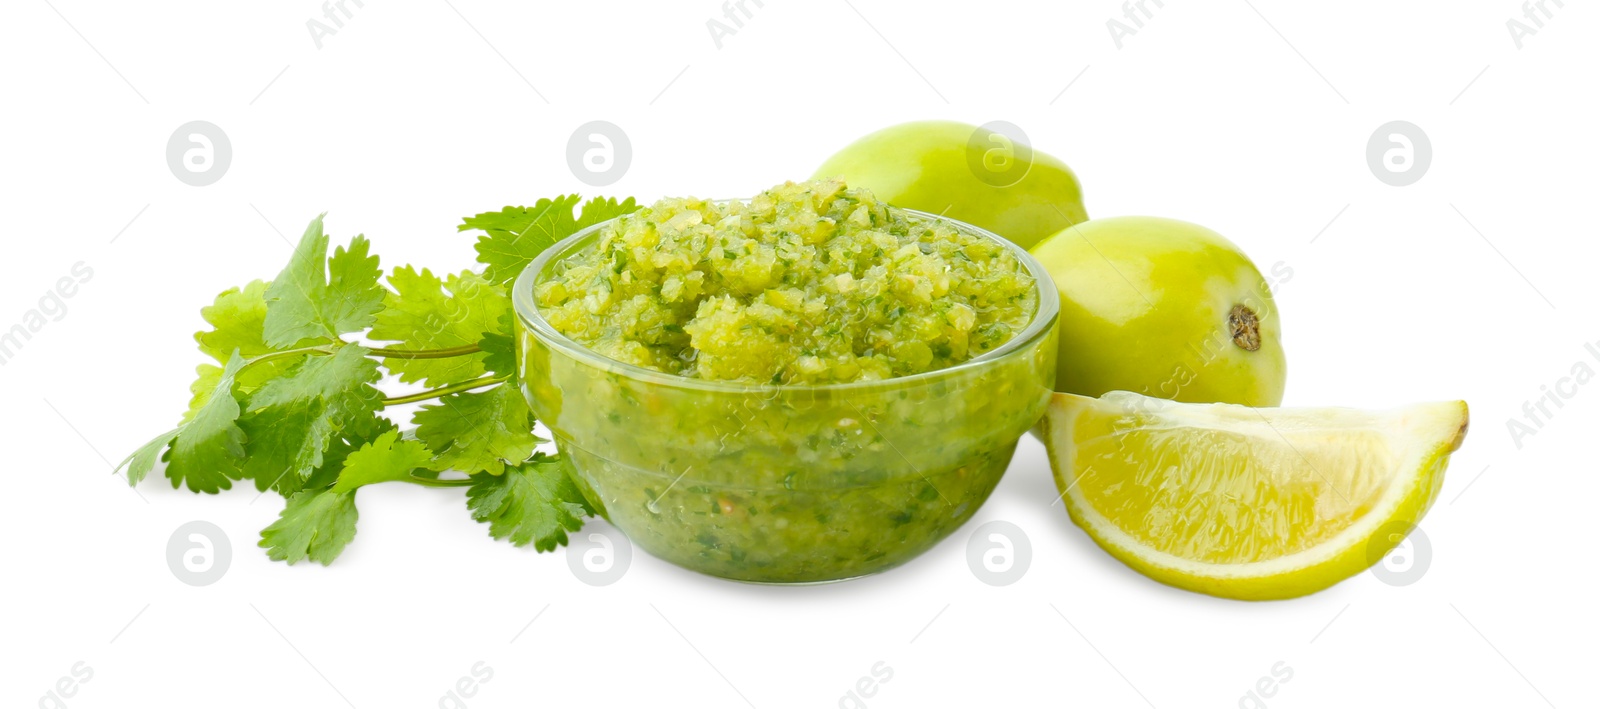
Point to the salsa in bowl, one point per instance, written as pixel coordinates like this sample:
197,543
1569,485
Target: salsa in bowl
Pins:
805,386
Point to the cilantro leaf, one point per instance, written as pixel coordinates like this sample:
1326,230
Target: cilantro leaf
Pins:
385,459
206,378
206,452
479,431
425,312
293,419
285,442
530,503
318,523
314,524
143,460
317,296
342,380
601,209
500,348
339,448
238,322
516,235
237,318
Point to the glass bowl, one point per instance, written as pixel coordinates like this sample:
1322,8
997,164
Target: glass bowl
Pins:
777,483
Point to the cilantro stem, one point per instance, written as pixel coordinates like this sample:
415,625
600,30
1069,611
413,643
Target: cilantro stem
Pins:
426,354
329,349
435,482
314,349
444,390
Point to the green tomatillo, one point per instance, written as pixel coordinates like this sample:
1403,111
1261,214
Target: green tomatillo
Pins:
985,176
1164,308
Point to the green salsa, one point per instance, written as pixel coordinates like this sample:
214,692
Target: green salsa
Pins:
809,283
776,426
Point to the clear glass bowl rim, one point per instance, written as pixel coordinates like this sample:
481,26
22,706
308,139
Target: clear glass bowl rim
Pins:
527,311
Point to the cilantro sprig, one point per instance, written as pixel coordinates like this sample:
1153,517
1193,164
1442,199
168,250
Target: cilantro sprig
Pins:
292,399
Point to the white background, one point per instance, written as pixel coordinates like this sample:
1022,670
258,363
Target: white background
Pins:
1477,282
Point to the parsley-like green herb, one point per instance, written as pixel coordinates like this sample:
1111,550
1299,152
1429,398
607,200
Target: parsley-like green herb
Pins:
514,236
291,399
532,503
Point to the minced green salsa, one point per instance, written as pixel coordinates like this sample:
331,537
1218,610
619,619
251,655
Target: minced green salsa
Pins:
807,283
733,463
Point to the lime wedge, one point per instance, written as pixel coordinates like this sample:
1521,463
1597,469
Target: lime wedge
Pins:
1247,503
